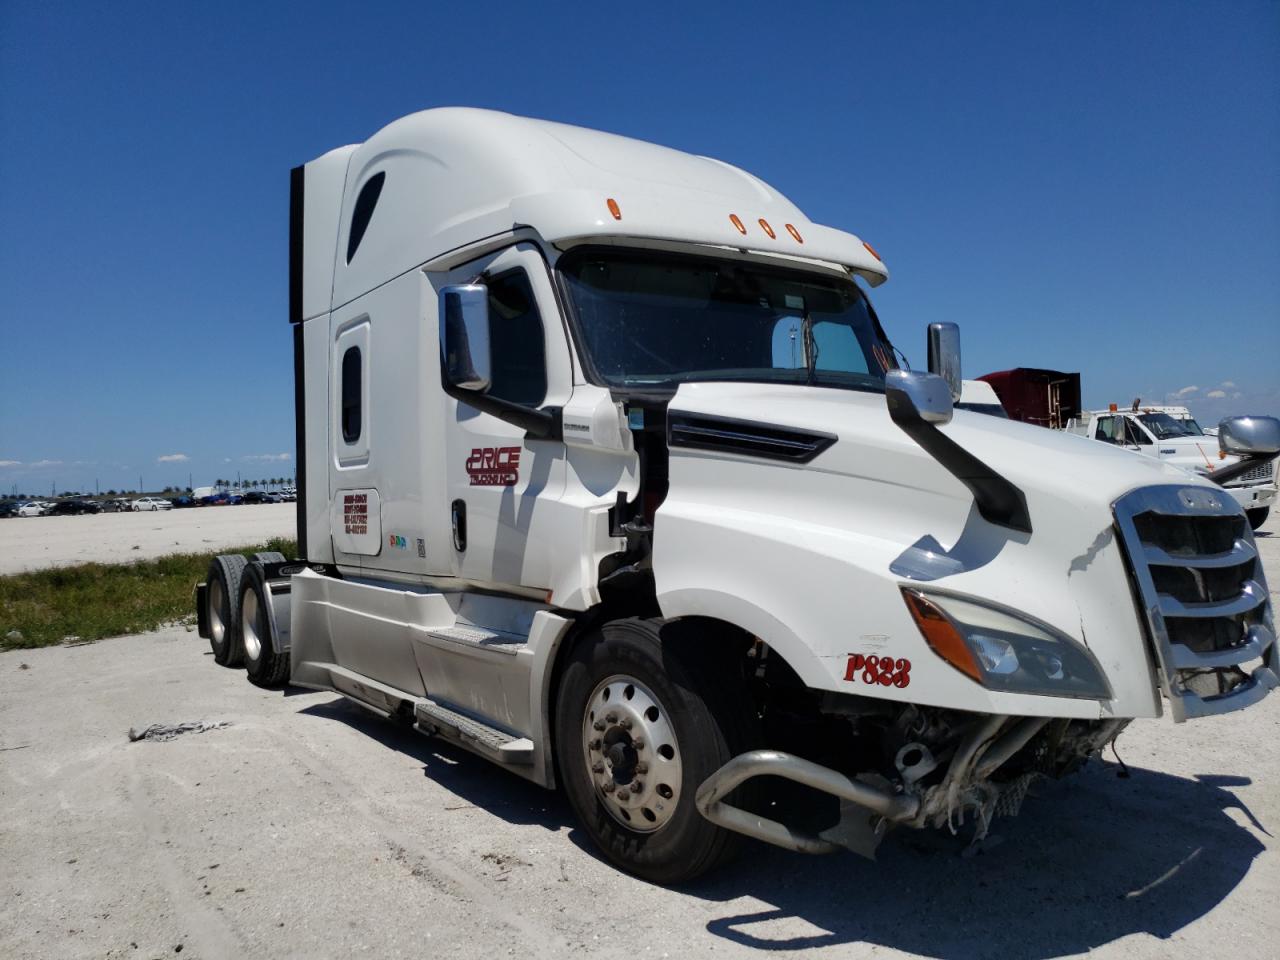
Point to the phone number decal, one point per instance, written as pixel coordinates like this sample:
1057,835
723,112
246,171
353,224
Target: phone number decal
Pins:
878,671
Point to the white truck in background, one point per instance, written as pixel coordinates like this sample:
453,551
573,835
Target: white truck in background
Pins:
607,473
1172,435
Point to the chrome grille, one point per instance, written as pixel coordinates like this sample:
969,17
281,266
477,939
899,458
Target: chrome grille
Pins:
1203,595
1264,471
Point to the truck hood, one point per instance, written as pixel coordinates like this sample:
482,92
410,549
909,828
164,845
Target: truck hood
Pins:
1194,453
811,553
1049,465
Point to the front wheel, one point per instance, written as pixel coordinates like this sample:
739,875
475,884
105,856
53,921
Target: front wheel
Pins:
1257,516
642,718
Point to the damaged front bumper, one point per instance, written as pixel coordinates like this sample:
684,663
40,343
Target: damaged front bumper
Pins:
870,804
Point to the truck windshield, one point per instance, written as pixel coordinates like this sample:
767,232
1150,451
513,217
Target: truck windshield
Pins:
1166,427
649,321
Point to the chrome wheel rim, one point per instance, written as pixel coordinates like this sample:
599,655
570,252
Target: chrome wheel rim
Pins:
217,601
632,755
249,632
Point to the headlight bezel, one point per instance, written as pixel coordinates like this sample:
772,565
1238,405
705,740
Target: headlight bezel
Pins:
954,624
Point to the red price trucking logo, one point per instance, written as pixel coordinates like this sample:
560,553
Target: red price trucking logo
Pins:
878,671
494,466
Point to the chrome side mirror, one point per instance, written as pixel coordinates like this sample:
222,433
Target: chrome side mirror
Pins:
1249,436
944,355
913,396
464,336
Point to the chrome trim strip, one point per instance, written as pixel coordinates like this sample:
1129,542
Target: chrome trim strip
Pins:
1262,682
1258,639
1241,552
1250,598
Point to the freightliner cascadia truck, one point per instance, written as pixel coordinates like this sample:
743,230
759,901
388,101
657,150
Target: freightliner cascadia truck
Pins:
609,472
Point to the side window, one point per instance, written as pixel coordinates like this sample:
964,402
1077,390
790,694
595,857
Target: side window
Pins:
1106,429
836,347
362,213
1136,434
518,362
351,394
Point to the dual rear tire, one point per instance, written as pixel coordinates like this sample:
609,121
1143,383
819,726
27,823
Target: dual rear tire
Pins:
241,631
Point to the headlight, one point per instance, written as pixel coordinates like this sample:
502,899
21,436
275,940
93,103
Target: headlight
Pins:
1005,650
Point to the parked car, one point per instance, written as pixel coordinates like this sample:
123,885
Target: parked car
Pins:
182,502
8,509
73,508
32,508
117,506
151,503
259,496
289,495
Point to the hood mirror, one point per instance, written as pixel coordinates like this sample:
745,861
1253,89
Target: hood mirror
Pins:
944,355
464,336
914,397
1249,436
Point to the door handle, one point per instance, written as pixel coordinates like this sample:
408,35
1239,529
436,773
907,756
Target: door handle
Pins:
458,515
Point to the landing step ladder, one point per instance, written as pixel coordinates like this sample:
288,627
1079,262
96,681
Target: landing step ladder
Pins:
479,737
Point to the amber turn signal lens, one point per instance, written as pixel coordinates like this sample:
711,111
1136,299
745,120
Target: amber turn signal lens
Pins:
615,209
795,234
764,225
733,218
871,250
941,635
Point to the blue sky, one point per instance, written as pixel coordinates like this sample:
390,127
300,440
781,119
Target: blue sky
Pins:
1084,186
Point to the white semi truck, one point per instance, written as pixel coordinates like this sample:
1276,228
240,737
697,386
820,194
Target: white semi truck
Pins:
608,473
1171,434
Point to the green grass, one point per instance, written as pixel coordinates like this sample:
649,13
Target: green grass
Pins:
96,600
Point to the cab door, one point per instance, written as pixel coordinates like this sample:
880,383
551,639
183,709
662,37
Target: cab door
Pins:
503,486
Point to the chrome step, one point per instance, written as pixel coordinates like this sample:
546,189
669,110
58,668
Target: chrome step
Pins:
475,735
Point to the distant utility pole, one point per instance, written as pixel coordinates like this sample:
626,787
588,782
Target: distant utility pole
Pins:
96,491
141,488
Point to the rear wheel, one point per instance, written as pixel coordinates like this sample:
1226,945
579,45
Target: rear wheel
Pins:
264,665
1257,516
223,594
641,720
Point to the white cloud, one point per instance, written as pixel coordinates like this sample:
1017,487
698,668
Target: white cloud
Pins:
1185,391
264,457
1227,383
173,458
46,463
1216,394
10,463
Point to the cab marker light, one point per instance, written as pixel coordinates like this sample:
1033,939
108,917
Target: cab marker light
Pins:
615,209
871,250
941,635
733,218
764,224
794,233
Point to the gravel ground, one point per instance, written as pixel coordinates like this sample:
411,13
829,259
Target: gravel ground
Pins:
30,543
308,828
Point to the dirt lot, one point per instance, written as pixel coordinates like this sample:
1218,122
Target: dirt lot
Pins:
30,543
307,828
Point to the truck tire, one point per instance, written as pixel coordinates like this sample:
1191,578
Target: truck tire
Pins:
224,576
265,667
1257,516
632,702
269,556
